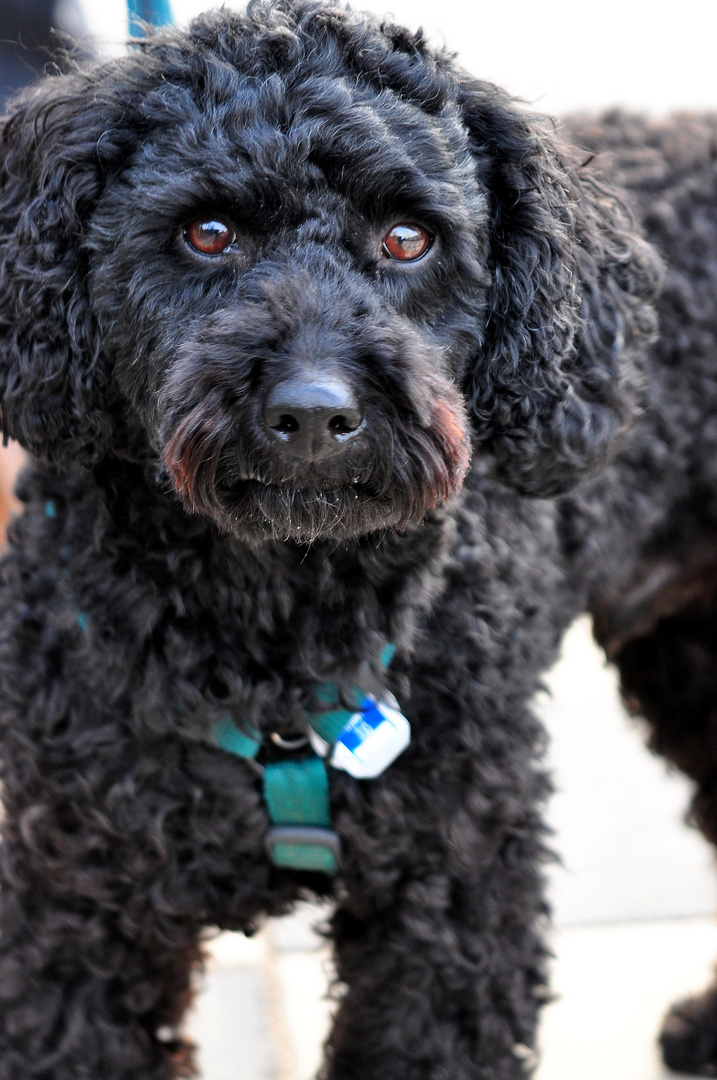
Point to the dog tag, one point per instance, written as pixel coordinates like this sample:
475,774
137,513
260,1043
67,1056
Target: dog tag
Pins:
371,739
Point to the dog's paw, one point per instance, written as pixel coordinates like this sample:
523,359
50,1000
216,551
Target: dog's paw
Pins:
689,1035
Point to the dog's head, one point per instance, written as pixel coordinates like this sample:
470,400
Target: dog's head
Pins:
311,267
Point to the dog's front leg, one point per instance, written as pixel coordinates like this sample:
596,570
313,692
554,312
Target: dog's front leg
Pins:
94,976
438,943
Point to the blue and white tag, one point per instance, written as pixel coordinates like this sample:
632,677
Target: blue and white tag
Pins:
372,739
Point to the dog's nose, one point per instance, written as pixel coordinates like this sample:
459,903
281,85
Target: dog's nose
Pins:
313,416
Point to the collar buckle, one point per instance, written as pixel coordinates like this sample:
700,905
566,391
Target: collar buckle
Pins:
304,847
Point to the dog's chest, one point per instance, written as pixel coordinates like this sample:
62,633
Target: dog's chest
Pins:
180,626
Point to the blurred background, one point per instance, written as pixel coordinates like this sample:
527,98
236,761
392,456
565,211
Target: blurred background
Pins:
557,54
634,897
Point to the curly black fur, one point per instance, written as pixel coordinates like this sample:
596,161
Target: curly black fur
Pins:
174,567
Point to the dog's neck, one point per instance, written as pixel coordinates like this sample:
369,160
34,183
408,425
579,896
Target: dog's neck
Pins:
265,623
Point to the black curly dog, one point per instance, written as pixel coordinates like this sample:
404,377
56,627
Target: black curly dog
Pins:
320,345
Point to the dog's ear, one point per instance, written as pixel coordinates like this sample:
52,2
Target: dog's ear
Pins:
52,164
570,304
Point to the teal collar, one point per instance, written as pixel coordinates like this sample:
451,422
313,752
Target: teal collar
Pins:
296,792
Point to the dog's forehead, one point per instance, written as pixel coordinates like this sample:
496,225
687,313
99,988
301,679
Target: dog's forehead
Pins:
355,138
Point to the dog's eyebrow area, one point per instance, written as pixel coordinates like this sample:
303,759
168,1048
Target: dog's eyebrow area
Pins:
275,154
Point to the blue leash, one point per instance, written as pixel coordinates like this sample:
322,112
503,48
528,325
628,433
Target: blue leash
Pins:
154,12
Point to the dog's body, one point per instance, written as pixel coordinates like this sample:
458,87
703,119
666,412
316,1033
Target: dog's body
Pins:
181,560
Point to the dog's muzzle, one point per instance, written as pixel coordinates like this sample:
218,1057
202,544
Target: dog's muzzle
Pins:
287,421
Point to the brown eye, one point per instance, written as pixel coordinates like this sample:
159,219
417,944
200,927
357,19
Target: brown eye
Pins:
406,242
210,236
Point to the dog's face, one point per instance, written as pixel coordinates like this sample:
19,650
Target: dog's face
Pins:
308,263
290,282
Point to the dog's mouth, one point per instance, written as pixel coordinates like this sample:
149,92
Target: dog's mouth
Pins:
257,508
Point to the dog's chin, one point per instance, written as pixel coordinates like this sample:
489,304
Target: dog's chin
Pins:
256,512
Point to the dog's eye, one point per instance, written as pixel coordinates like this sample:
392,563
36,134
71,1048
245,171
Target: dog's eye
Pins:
210,236
406,242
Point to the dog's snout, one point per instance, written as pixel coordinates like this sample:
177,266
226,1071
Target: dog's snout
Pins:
313,416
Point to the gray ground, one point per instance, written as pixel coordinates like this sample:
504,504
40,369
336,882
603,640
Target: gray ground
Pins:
633,901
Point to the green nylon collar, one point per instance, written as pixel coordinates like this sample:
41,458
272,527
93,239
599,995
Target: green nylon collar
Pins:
296,793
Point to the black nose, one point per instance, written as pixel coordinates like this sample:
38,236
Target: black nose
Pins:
313,416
